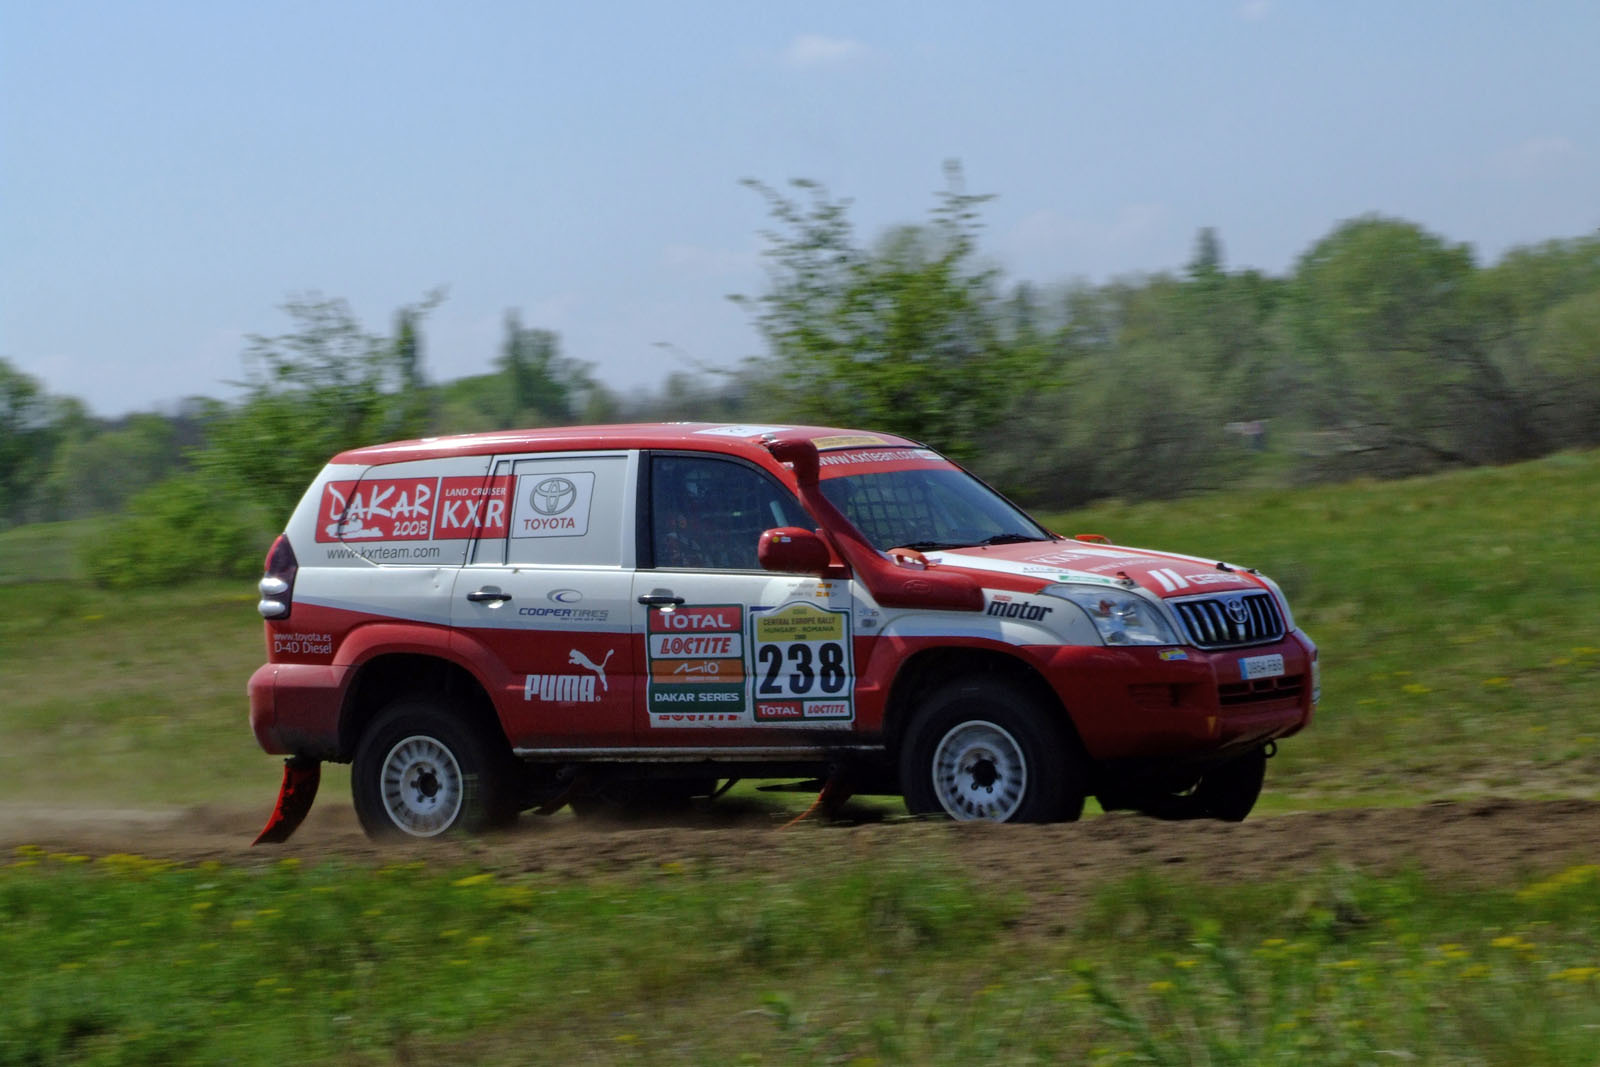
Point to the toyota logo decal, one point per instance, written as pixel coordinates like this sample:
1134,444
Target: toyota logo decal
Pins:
553,496
1237,610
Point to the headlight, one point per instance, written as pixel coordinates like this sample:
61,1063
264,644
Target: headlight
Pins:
1283,601
1122,617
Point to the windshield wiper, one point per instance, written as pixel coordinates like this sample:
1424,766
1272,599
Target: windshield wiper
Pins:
997,539
1008,539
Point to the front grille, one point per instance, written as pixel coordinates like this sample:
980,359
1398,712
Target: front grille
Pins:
1261,691
1230,620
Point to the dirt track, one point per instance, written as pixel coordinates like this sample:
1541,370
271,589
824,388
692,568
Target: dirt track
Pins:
1480,842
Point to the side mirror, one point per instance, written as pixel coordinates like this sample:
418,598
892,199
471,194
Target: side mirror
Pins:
792,550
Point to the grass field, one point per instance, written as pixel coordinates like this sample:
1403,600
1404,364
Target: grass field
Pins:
1459,619
121,959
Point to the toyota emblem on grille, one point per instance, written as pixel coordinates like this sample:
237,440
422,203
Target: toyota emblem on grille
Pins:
1237,610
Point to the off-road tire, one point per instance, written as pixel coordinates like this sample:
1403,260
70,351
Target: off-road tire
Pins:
422,770
1229,792
981,748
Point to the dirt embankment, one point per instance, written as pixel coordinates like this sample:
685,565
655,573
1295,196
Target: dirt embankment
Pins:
1480,842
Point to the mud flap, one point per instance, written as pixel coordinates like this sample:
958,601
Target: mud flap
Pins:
301,776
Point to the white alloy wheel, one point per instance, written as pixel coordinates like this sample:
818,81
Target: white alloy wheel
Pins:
979,772
422,786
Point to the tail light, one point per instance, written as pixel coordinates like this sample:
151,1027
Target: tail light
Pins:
277,584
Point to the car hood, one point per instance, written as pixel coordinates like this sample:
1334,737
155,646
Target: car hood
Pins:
1165,574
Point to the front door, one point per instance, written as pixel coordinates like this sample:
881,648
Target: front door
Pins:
734,655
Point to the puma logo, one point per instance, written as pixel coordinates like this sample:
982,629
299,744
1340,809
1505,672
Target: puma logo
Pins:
578,659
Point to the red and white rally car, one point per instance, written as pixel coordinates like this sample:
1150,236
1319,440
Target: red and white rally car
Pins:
491,623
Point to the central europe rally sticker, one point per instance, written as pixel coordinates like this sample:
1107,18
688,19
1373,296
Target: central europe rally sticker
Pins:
802,663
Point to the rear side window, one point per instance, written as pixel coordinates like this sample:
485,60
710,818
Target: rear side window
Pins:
565,510
423,513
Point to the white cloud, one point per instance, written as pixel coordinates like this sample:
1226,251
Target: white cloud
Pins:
1254,10
815,50
1538,156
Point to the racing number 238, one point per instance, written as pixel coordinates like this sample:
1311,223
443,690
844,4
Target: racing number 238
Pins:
822,671
802,652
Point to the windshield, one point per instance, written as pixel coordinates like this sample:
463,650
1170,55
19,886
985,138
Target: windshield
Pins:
928,508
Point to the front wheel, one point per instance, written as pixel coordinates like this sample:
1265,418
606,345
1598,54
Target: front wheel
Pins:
1226,792
985,749
1230,792
421,771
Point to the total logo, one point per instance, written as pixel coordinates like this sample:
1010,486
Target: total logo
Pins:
1005,607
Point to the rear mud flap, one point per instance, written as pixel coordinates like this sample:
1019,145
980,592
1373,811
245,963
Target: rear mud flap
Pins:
301,776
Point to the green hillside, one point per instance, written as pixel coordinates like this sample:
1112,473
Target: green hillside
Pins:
1458,616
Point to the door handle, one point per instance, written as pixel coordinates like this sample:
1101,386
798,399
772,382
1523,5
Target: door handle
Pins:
488,595
661,600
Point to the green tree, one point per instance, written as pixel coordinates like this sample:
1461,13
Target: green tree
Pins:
96,470
31,423
1543,302
542,387
326,386
1394,353
903,336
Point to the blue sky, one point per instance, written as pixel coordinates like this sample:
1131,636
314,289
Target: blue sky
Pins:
172,172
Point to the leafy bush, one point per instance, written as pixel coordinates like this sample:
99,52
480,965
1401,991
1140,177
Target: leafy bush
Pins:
184,528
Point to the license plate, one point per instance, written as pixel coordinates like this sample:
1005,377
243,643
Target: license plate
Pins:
1253,667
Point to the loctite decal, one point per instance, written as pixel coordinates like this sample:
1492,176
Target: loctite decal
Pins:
696,663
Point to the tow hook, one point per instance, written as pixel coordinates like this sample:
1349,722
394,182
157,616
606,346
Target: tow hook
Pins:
301,776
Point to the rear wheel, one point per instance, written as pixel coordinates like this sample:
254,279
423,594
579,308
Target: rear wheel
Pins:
421,771
986,749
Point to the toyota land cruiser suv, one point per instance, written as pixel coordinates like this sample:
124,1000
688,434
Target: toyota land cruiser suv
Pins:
492,623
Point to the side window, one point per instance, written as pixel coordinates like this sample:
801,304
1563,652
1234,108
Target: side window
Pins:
566,511
708,513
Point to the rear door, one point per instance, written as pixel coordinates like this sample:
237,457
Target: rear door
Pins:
545,599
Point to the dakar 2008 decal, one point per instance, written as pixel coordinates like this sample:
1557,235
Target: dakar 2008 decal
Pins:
413,509
710,666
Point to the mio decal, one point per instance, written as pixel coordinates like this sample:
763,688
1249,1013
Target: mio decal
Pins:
696,661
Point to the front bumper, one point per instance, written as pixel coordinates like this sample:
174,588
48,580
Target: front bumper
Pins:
1181,704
